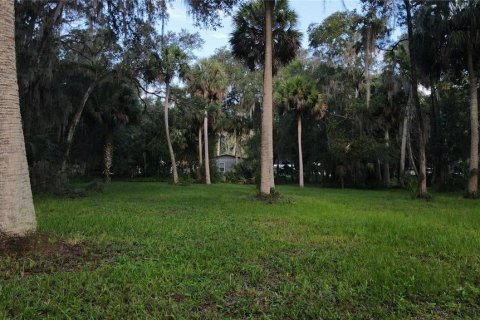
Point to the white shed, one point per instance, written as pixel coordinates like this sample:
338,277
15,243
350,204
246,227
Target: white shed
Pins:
226,162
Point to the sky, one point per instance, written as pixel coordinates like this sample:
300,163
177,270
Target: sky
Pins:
309,11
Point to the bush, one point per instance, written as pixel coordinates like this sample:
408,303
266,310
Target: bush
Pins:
411,183
242,173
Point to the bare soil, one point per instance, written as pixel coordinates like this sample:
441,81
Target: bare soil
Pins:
40,253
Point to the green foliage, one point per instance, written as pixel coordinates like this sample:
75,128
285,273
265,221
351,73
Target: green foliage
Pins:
247,39
119,49
242,173
334,40
299,94
411,184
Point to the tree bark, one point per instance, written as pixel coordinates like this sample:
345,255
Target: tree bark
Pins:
403,148
207,158
386,164
200,151
378,171
422,159
47,28
266,167
17,214
437,157
73,125
473,179
410,154
167,133
108,155
144,163
300,152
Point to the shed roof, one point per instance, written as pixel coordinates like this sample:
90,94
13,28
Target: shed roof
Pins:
228,156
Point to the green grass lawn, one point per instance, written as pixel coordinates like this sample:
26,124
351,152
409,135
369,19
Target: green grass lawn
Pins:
216,252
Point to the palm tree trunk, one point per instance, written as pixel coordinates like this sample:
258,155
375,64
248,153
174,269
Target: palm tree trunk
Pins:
207,158
473,180
266,168
219,144
403,148
300,152
200,151
17,214
200,154
437,149
422,159
73,125
405,140
108,155
386,165
167,133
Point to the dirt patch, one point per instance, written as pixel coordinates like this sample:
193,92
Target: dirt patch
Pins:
41,253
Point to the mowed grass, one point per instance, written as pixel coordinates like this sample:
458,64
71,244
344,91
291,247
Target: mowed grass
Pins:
216,252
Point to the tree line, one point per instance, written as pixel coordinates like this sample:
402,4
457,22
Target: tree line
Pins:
385,95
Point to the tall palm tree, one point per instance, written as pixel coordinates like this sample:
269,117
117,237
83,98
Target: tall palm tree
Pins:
115,104
267,178
466,34
299,94
208,80
422,182
269,39
167,64
374,27
430,41
17,214
194,115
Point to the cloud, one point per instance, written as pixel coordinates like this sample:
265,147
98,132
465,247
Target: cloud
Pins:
219,35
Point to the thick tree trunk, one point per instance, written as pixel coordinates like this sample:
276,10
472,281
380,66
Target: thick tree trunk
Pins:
207,157
266,167
108,155
473,179
422,159
300,152
73,125
17,215
167,133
